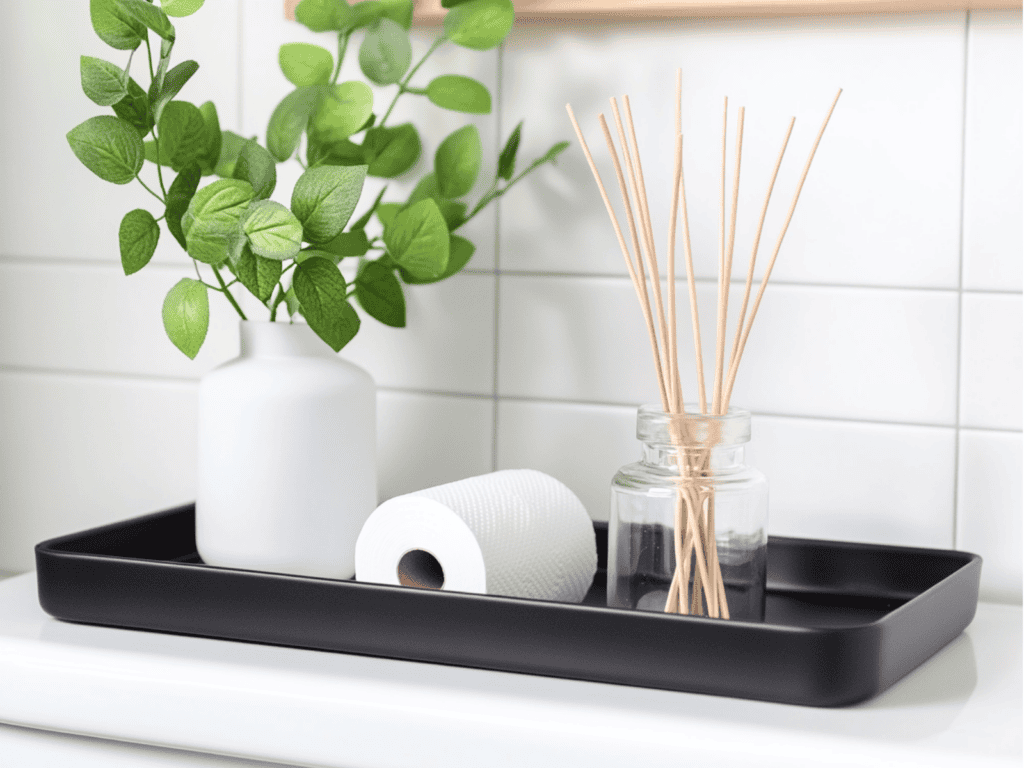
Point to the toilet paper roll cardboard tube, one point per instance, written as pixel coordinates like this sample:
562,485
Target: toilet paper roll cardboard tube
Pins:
419,568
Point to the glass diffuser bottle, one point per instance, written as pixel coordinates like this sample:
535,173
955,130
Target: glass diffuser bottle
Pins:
692,479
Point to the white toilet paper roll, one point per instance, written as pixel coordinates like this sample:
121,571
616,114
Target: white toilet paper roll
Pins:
516,532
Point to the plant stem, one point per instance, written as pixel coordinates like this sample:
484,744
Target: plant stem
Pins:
149,58
154,194
226,292
494,193
342,47
403,87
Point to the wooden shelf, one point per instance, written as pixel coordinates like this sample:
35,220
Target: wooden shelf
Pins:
431,12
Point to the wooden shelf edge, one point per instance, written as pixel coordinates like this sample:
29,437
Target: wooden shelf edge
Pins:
430,11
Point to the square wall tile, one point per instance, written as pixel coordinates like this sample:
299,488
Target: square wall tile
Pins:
122,448
581,445
426,440
989,504
881,205
881,483
263,85
94,318
993,198
50,204
447,344
991,361
886,355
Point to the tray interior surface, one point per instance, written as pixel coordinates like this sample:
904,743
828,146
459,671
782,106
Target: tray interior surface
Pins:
810,583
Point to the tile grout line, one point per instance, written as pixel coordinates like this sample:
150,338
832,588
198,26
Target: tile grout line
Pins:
64,261
495,400
960,281
490,396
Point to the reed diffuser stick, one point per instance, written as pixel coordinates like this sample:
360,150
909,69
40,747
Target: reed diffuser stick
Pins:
676,396
778,245
720,328
640,192
727,274
618,230
757,241
691,283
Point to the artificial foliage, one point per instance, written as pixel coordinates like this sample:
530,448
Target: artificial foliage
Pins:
213,185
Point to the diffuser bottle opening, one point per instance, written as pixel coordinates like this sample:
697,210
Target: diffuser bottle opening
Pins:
419,568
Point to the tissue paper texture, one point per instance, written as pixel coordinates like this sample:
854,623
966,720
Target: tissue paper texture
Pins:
518,533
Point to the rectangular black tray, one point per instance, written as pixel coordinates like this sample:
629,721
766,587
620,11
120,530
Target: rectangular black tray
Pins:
843,621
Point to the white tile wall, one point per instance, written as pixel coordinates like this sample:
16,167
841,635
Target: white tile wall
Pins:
990,485
992,179
892,153
51,206
884,371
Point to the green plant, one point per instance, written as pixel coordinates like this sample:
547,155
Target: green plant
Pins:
232,224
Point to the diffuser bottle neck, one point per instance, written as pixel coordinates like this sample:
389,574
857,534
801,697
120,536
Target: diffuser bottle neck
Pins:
693,441
270,339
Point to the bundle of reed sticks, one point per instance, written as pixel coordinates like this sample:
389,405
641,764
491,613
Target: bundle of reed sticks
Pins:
695,545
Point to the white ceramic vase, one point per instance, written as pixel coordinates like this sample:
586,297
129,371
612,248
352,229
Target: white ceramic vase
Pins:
287,469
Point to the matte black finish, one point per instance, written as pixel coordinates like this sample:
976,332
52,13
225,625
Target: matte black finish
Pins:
843,621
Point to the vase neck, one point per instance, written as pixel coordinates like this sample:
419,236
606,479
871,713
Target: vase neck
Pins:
268,339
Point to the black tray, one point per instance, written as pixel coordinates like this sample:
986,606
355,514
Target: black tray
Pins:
843,621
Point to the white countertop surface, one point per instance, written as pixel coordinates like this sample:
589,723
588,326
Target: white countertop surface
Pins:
962,707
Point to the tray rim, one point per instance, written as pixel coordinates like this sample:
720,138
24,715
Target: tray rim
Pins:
49,548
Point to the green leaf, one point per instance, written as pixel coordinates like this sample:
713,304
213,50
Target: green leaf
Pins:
210,155
109,147
231,145
304,64
318,15
340,152
386,213
256,165
137,237
385,53
182,134
273,230
418,240
161,70
391,152
507,159
103,82
362,221
186,315
212,222
174,81
115,26
342,111
291,303
320,290
479,24
453,211
179,196
354,243
314,253
552,154
258,274
134,108
452,3
380,294
457,162
460,251
289,120
151,16
363,14
180,8
399,11
323,200
461,94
